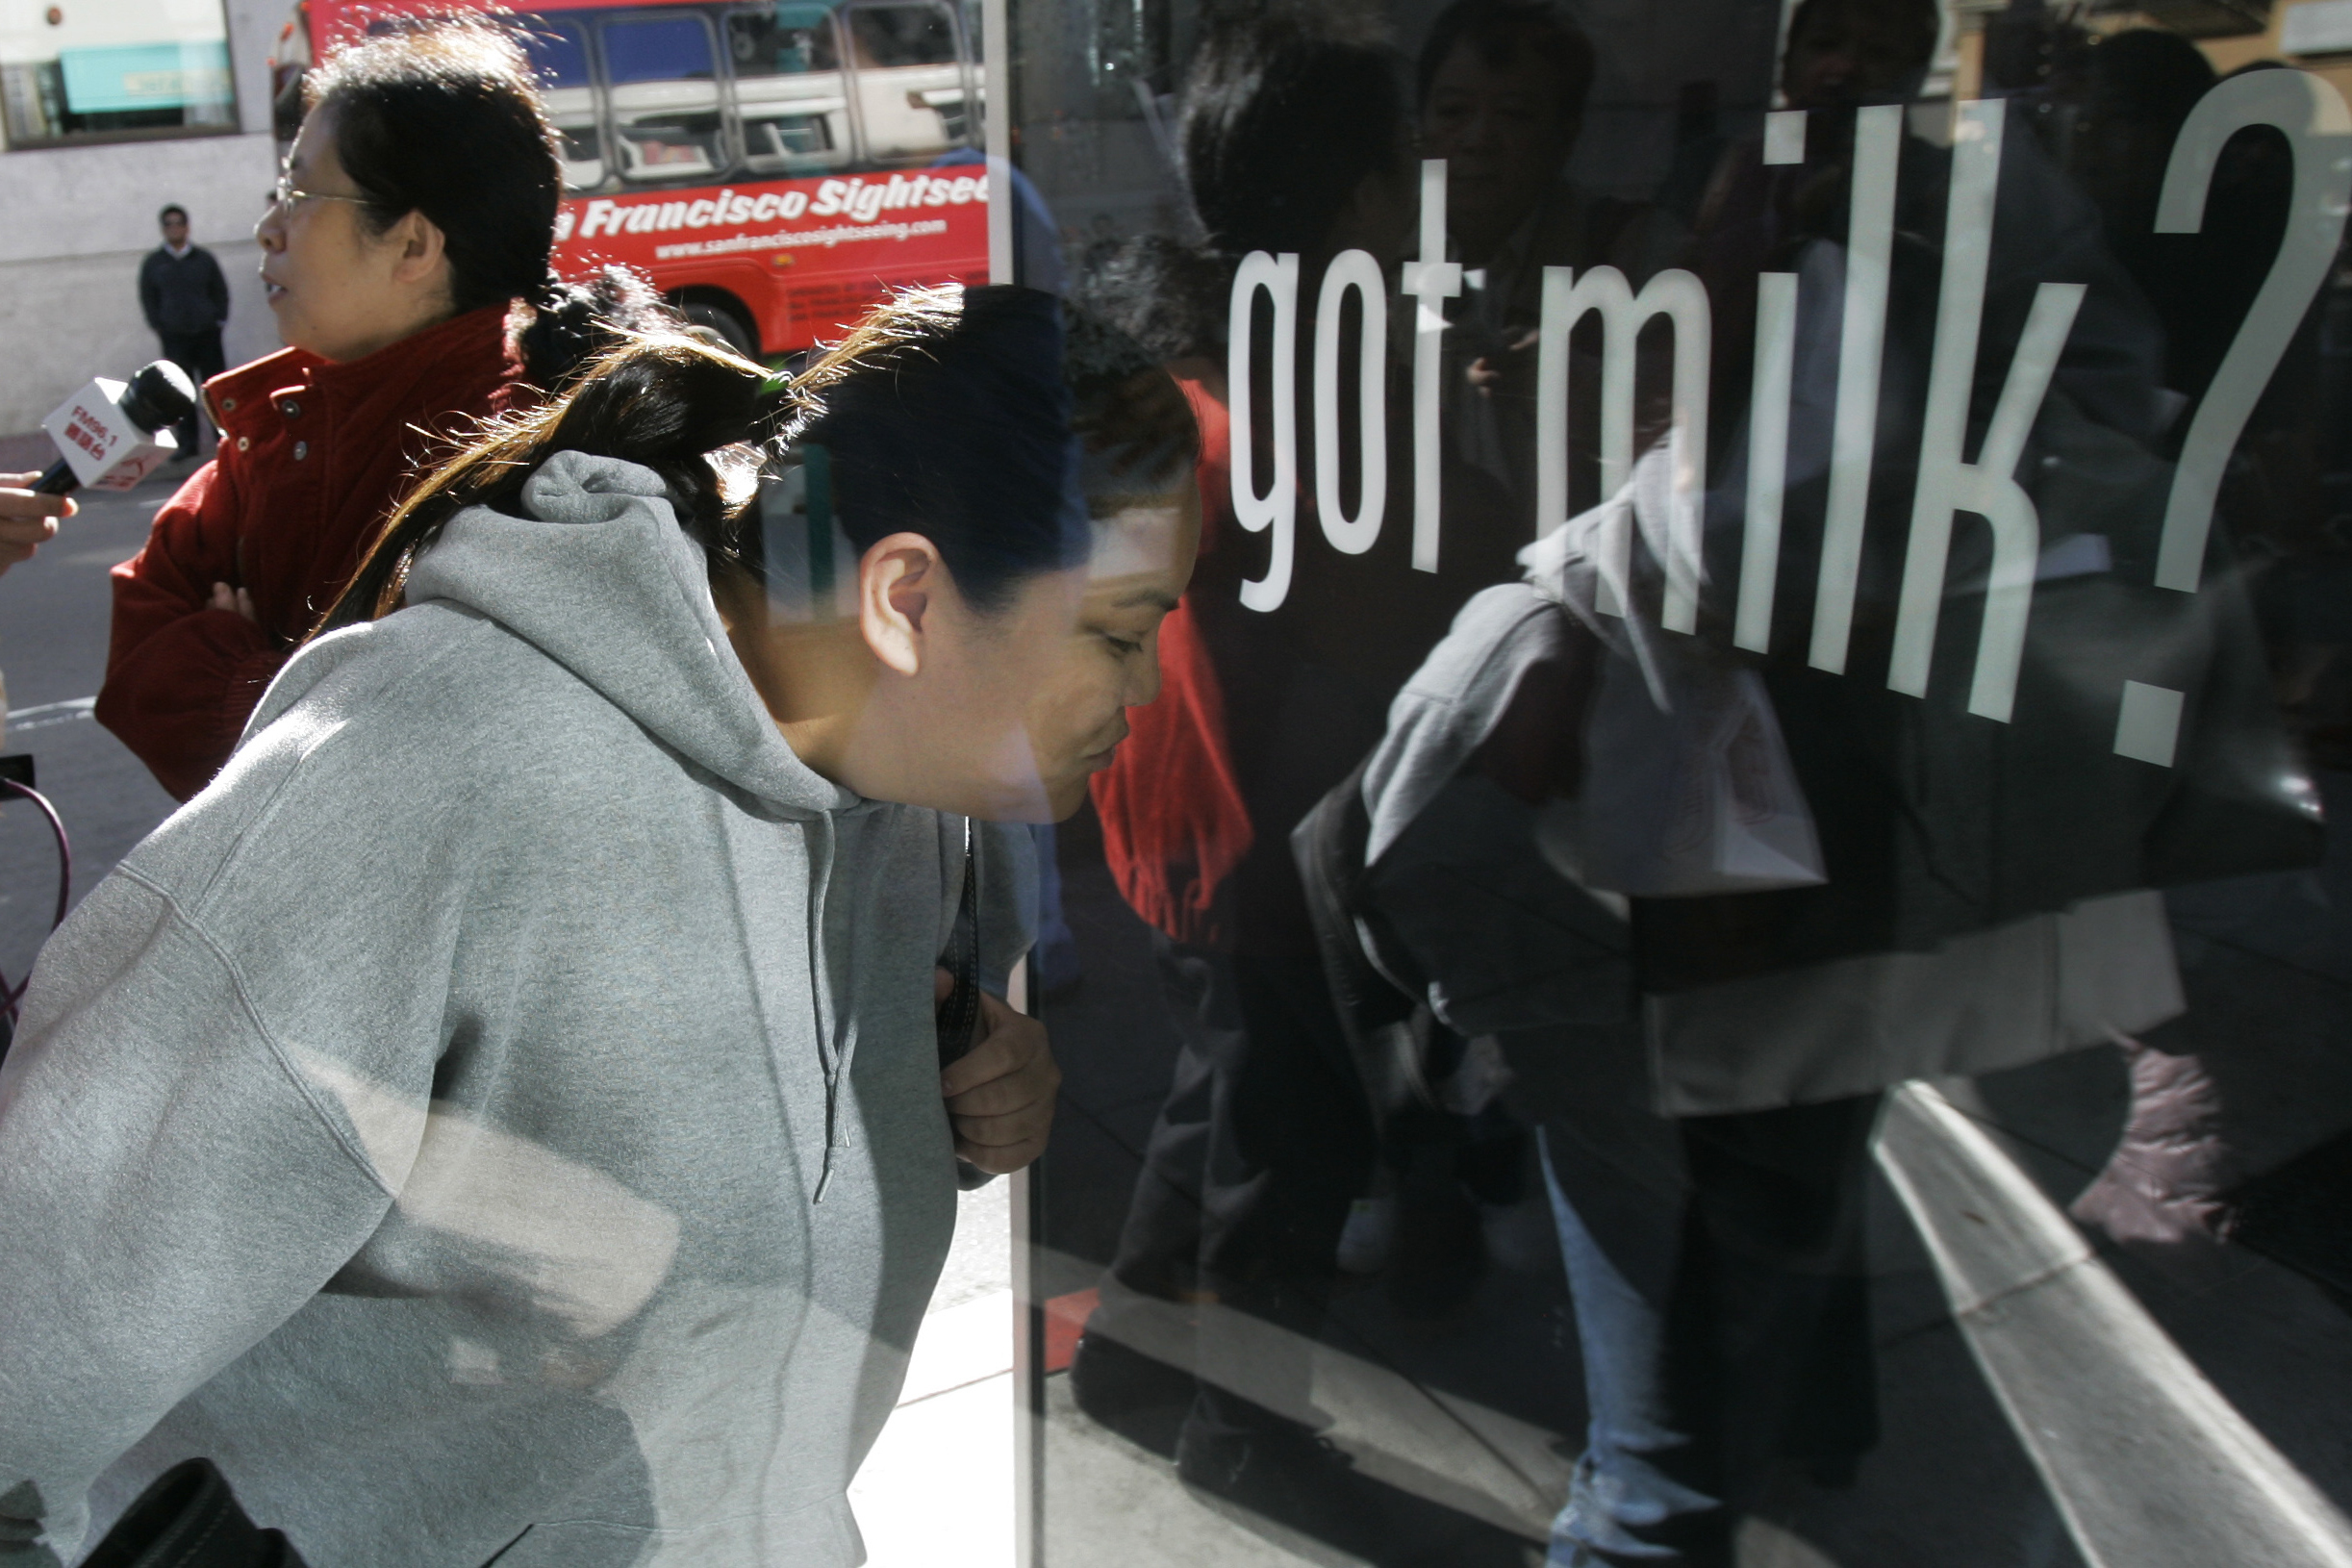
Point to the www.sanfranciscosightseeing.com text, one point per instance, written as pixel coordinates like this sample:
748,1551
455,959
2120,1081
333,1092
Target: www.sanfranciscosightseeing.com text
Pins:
792,239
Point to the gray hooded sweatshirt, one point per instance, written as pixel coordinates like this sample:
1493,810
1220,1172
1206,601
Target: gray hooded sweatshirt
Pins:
500,1116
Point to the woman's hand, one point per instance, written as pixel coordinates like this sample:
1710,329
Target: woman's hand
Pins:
28,518
1512,370
236,601
1001,1093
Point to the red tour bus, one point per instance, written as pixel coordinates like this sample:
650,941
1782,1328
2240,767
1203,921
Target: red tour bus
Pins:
773,167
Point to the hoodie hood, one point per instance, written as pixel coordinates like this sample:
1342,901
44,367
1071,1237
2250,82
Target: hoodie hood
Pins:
601,579
599,576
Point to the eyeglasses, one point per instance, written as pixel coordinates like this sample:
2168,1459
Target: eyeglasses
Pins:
284,198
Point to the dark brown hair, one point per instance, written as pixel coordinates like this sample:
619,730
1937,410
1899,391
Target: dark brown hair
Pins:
1500,30
444,119
946,412
1285,112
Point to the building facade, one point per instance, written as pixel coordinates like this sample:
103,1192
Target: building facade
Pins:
111,109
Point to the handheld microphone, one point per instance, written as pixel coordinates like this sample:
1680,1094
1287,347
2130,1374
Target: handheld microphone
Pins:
114,434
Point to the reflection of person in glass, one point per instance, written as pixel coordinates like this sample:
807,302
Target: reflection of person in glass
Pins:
1979,900
1503,86
2201,1087
502,1116
1295,141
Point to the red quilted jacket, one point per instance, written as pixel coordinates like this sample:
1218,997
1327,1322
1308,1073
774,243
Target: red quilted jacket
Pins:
1174,822
313,455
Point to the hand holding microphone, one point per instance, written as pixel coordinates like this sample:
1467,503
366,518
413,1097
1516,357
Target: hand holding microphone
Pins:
114,434
28,518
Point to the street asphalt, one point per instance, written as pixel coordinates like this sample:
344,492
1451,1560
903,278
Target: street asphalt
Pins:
53,626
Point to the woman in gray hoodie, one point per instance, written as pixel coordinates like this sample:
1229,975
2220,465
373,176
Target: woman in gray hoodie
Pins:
502,1117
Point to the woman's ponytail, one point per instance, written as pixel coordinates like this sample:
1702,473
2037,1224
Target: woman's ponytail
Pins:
574,323
663,400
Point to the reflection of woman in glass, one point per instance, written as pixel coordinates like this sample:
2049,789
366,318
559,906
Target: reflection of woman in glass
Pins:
502,1117
416,210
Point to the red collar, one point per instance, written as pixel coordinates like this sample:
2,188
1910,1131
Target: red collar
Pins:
469,350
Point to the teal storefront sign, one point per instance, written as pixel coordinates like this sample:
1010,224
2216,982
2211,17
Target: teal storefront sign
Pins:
136,76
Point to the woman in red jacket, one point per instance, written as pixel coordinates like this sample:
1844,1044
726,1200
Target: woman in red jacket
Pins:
405,253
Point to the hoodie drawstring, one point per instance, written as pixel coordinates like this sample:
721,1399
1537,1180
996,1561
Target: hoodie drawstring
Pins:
834,1057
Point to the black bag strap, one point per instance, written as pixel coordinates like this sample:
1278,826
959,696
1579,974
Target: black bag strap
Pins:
1378,995
958,1014
189,1518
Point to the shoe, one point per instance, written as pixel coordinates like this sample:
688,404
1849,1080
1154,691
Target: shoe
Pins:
1287,1474
1834,1472
1439,1255
1141,1398
1365,1240
1520,1237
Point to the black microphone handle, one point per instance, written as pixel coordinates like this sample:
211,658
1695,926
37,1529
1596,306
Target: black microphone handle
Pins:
160,395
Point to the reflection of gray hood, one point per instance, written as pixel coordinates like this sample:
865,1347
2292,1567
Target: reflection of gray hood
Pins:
501,1114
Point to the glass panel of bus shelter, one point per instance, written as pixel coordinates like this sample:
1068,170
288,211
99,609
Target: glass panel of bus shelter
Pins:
559,50
1727,941
664,88
910,83
788,88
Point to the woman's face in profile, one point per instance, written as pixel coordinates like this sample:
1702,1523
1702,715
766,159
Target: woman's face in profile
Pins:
1110,659
921,697
1033,697
902,689
338,288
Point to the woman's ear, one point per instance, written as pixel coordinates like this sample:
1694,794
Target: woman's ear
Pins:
424,250
897,579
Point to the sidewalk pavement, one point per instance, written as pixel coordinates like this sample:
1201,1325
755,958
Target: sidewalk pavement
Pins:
939,1486
2147,1462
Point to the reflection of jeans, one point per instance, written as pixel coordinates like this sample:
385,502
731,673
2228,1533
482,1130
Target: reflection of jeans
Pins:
1716,1268
1260,1147
1057,946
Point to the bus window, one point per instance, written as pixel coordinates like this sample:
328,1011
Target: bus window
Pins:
664,81
788,88
910,81
559,51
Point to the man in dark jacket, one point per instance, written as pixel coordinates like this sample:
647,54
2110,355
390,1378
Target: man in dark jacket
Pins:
186,299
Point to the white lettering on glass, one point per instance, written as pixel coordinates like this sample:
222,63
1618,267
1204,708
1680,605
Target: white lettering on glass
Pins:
1432,280
1988,487
2316,125
1278,507
1878,139
1351,269
1759,557
1680,297
2308,112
